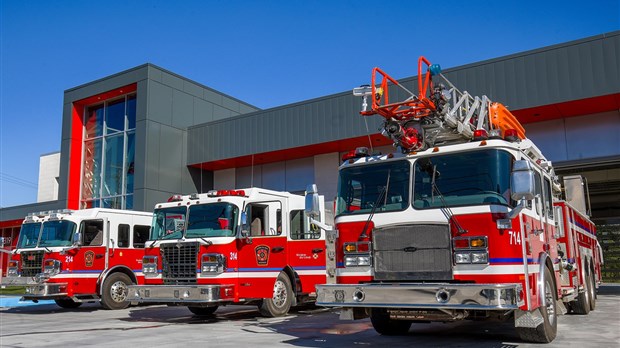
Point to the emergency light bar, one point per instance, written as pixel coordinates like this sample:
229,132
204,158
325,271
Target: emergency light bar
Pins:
220,193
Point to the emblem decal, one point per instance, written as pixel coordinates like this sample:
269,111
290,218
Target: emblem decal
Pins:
89,258
262,255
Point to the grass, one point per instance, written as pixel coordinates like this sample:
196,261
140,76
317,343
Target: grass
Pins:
12,290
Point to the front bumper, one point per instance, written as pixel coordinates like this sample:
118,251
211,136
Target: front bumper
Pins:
422,296
45,291
182,294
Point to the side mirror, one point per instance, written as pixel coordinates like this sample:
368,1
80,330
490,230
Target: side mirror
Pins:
245,227
77,239
312,201
522,181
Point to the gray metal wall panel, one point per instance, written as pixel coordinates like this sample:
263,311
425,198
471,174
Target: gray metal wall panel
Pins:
159,103
299,173
151,158
550,137
171,161
182,109
273,176
203,111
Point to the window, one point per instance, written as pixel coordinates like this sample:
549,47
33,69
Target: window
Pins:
92,232
140,235
299,228
123,236
479,177
548,199
377,188
109,152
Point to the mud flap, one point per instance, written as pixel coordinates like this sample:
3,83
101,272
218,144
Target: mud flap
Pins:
561,307
528,319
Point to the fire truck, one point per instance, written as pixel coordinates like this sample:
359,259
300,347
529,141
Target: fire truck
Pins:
466,221
76,256
248,246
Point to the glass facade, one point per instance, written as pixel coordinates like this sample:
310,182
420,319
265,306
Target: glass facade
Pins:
109,152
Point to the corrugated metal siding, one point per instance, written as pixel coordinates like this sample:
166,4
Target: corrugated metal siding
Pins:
571,71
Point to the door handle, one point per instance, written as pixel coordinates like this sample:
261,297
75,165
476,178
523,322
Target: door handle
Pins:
317,250
277,249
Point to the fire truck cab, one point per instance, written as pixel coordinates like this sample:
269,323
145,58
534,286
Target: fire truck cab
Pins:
466,222
72,256
250,246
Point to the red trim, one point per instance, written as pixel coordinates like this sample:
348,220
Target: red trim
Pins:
11,223
77,127
529,115
568,109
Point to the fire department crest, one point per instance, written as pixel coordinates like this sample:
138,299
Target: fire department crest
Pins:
262,255
89,258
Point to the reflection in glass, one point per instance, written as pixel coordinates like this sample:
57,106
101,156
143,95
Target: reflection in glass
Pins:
115,116
113,175
57,233
29,235
212,220
92,169
168,223
131,112
94,122
129,162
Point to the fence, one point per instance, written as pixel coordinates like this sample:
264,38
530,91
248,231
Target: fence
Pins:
609,238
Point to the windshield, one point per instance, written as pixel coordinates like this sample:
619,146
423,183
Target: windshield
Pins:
384,187
468,178
57,233
212,220
29,235
168,223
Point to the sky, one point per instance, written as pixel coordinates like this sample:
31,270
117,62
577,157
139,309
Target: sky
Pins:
266,53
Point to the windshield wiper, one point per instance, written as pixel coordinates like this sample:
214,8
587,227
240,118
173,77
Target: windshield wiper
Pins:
208,242
447,212
374,208
153,243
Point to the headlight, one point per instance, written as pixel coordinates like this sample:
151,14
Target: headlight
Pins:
51,267
212,263
479,257
149,266
462,257
12,269
356,260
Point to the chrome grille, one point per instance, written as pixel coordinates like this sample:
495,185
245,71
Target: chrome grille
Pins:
32,263
179,263
412,252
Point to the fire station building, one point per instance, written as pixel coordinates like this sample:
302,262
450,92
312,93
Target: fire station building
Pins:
133,139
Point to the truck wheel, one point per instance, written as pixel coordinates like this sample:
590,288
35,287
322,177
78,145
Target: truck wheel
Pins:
280,303
114,291
546,331
381,322
203,311
67,303
582,304
592,289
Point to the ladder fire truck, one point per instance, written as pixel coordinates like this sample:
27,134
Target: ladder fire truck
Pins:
75,256
465,222
249,246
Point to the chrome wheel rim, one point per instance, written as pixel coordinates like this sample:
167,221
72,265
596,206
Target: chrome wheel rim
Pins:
549,302
279,294
118,291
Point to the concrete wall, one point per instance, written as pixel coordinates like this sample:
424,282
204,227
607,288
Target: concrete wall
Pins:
49,170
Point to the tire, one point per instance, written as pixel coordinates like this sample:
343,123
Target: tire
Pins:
67,303
280,303
546,331
114,291
592,289
203,311
381,322
582,304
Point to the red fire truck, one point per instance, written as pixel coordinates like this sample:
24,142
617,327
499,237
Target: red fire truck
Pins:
250,246
465,222
73,256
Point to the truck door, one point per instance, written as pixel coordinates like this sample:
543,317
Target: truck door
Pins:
91,258
306,251
263,254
